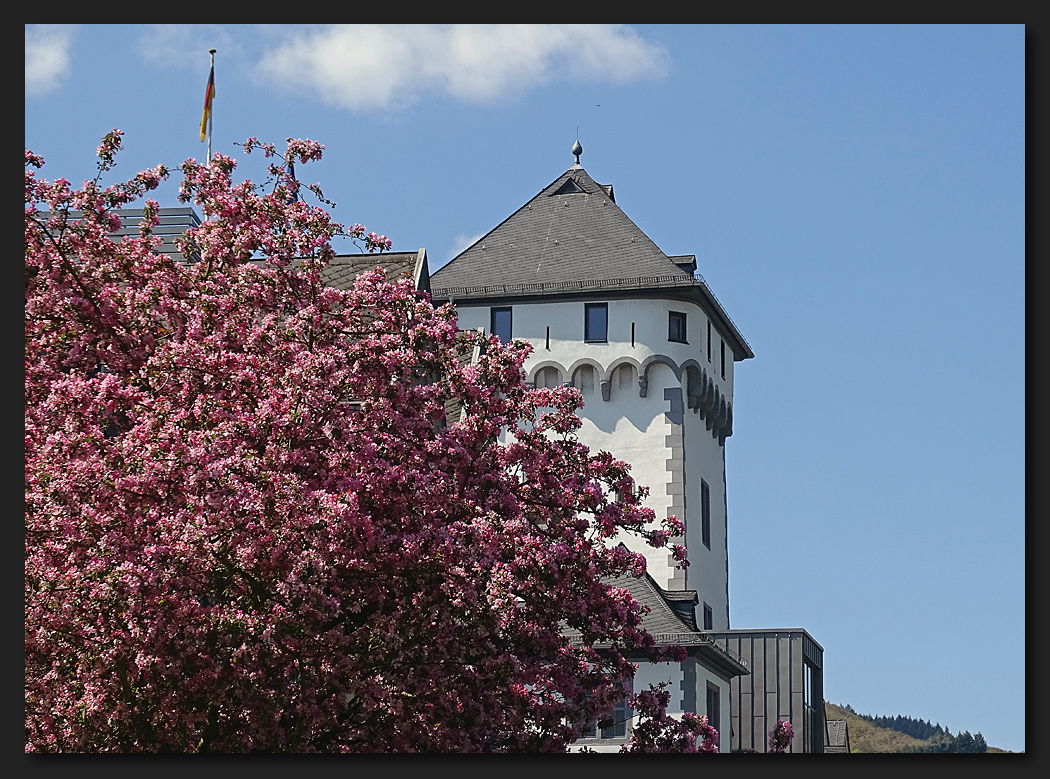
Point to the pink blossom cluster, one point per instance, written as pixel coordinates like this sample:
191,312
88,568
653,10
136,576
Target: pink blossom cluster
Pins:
660,732
780,737
249,525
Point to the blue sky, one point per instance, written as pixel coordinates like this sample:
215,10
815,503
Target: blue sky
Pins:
855,197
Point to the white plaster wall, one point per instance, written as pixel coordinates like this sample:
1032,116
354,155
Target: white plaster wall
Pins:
708,572
633,428
673,674
703,676
649,317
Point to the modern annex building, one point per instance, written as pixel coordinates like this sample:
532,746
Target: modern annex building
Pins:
653,353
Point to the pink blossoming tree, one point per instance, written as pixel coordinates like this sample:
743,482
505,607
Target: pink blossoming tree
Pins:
249,526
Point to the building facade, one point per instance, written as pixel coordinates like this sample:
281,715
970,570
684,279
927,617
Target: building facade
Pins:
653,353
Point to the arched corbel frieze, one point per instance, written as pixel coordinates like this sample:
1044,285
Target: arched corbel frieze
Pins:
535,372
693,379
728,429
598,373
614,366
709,403
643,371
611,372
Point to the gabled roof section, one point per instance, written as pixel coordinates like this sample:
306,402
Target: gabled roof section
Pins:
667,623
344,269
571,230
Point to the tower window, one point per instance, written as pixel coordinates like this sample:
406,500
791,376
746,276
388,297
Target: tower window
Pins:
676,327
709,618
596,322
709,340
723,359
501,320
705,513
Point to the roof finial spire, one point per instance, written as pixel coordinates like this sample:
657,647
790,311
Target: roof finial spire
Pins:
577,149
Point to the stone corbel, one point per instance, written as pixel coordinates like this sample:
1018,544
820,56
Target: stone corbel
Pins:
606,390
643,386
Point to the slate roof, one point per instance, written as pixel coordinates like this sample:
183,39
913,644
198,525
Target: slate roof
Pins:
571,230
669,623
345,268
836,736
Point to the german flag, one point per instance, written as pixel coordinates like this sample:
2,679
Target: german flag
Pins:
209,95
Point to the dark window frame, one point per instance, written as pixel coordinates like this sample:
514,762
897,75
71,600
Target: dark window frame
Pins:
705,513
709,340
621,713
587,334
620,716
723,357
509,311
714,705
709,617
672,317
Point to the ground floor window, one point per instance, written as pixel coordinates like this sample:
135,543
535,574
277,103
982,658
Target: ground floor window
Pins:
713,706
615,726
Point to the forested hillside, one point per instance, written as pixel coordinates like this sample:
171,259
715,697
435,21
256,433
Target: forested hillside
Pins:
903,734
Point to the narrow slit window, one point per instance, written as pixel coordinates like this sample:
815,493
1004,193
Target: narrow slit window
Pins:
705,513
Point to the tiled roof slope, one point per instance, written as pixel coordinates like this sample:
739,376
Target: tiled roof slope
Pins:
668,627
571,230
345,268
836,736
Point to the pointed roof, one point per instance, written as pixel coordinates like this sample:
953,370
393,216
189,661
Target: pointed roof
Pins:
572,239
571,230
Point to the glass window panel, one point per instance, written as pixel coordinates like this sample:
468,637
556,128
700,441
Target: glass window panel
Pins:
501,324
596,322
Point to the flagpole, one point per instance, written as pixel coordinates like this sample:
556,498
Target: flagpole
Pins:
211,113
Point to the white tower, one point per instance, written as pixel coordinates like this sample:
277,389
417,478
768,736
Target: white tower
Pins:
640,334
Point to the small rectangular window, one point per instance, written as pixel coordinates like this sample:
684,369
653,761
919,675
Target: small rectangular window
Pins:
723,359
617,727
713,706
705,513
709,618
502,321
709,340
613,726
596,322
676,327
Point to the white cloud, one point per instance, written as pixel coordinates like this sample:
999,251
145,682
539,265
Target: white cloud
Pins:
47,57
380,67
186,45
460,243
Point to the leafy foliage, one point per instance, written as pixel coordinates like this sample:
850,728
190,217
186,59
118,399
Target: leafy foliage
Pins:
224,553
916,728
780,737
946,743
